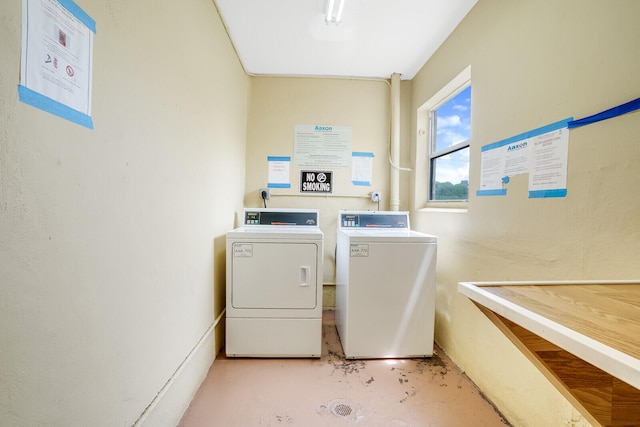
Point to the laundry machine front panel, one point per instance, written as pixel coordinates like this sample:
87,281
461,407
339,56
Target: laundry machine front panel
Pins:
274,284
273,337
391,296
385,286
274,275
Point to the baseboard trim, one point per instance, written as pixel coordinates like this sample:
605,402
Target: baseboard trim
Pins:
173,399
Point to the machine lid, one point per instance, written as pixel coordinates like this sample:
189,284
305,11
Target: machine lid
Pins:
374,220
376,235
271,233
280,217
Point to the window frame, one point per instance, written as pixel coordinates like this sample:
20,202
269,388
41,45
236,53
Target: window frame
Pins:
435,154
422,177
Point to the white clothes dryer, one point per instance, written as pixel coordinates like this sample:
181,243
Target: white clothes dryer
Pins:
274,284
385,286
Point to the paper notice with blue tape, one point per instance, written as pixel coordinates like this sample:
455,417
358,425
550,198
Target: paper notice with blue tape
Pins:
361,168
57,57
541,153
278,176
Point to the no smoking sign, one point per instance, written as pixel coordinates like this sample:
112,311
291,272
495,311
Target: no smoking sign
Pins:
319,182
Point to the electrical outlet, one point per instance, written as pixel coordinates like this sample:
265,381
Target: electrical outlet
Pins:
265,193
375,196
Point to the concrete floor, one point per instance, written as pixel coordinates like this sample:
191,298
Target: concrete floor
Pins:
332,391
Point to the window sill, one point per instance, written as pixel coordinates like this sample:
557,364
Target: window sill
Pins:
450,207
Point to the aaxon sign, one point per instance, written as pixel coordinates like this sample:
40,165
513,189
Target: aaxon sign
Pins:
319,182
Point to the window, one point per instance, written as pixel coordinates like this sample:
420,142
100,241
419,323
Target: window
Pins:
449,136
441,174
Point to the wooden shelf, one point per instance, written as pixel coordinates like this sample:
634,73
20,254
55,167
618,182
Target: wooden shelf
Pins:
583,336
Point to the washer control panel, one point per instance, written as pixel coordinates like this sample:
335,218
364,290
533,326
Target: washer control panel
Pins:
374,219
280,217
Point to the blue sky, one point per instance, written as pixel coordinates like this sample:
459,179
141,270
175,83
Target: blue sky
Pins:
454,120
454,126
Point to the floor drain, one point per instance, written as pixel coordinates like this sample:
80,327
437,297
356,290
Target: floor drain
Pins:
341,410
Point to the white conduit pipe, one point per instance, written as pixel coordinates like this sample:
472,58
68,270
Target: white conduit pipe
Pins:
394,184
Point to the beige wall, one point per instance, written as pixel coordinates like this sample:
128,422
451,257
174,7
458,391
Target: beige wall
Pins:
112,247
534,63
112,242
278,104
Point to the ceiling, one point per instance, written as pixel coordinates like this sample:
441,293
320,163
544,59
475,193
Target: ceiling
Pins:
375,38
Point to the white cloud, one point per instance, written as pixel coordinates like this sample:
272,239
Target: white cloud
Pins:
453,175
449,121
453,167
450,138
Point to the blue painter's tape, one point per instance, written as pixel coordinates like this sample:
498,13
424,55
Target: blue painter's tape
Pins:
49,105
539,194
505,180
79,13
362,183
608,114
530,134
272,185
361,154
498,192
278,158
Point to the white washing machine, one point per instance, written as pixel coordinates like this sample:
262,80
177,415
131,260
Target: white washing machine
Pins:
385,286
274,284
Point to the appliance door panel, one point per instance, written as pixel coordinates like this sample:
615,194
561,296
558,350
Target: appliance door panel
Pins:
391,294
274,275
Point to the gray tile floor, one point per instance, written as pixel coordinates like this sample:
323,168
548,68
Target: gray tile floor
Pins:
332,391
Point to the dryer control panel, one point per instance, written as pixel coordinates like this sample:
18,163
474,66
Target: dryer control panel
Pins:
374,219
280,217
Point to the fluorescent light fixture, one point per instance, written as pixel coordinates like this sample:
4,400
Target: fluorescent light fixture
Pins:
330,16
339,14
